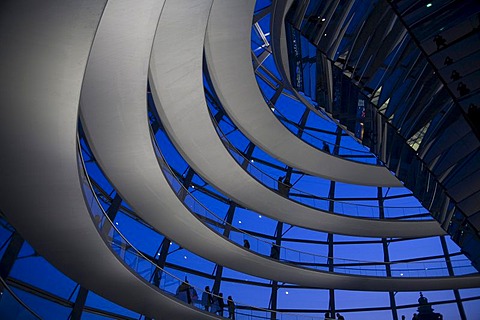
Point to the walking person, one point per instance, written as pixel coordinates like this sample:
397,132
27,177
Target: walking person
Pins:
231,308
207,298
183,292
219,304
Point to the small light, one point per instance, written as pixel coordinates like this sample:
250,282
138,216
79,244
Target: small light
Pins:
273,109
158,254
240,221
401,274
171,242
116,223
193,187
429,5
185,257
325,34
323,19
251,161
259,216
286,292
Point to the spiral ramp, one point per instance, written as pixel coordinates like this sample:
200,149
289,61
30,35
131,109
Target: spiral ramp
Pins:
96,66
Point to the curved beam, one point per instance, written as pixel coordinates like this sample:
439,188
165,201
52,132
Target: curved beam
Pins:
186,117
44,51
228,55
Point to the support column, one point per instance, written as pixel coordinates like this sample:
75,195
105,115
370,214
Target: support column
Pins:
330,261
226,233
386,257
248,155
160,261
456,293
274,294
331,208
79,304
112,213
10,256
228,222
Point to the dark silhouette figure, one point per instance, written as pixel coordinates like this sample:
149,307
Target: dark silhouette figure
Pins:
246,244
207,298
327,315
184,292
455,75
403,317
326,147
275,252
463,89
280,185
415,317
231,307
439,41
448,61
473,114
283,186
220,305
472,110
425,310
340,317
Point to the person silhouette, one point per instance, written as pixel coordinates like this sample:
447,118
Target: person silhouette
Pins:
221,305
207,298
326,147
231,307
439,41
462,89
448,61
455,75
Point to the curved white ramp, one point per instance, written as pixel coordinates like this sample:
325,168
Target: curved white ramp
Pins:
177,87
43,56
125,151
228,56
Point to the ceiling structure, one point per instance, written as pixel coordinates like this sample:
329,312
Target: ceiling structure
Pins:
417,94
90,61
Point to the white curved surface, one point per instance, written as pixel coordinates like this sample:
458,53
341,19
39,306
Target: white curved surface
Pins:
48,63
228,56
43,56
139,179
177,88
